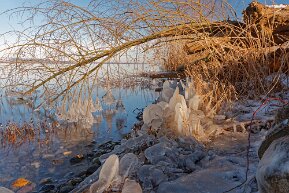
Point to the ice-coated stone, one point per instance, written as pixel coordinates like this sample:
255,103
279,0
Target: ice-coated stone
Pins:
149,174
5,190
131,186
192,160
154,152
108,172
273,169
132,144
152,112
128,165
210,180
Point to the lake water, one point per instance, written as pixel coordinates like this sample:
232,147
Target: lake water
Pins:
48,150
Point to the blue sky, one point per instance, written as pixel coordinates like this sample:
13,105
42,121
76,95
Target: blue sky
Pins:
8,24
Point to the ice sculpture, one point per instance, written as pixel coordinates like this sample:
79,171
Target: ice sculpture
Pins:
167,92
108,173
131,186
152,112
177,111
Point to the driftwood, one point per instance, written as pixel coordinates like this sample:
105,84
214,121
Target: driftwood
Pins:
273,22
268,23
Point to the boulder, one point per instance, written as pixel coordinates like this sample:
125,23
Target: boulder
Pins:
5,190
128,165
273,169
210,180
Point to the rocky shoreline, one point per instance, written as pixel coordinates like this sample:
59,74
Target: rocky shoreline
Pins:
167,164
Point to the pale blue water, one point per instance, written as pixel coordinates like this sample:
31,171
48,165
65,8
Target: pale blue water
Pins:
44,156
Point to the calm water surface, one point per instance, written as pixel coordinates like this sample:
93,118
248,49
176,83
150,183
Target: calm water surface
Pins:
55,142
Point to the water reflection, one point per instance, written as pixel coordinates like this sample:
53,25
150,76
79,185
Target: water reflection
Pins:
102,113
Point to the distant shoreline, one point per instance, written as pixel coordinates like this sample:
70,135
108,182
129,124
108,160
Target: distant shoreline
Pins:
11,61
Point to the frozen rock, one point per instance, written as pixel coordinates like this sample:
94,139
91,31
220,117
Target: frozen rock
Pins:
150,175
152,112
204,181
138,142
108,173
156,153
132,144
128,165
156,124
131,186
273,169
192,160
5,190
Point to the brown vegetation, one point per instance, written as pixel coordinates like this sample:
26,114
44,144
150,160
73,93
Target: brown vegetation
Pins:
226,58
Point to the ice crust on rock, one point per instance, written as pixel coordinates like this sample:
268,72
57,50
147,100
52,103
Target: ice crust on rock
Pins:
128,165
273,169
108,172
154,152
151,176
5,190
152,112
132,144
131,186
204,181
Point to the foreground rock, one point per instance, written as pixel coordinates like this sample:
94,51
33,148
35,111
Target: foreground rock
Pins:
273,169
108,173
5,190
212,180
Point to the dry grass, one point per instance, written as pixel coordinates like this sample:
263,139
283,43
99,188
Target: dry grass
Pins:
237,69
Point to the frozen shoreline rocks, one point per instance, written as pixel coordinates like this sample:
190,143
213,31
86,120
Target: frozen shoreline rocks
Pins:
273,169
114,175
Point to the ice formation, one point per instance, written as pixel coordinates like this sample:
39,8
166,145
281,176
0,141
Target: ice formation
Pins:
131,186
115,173
79,111
175,111
108,173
